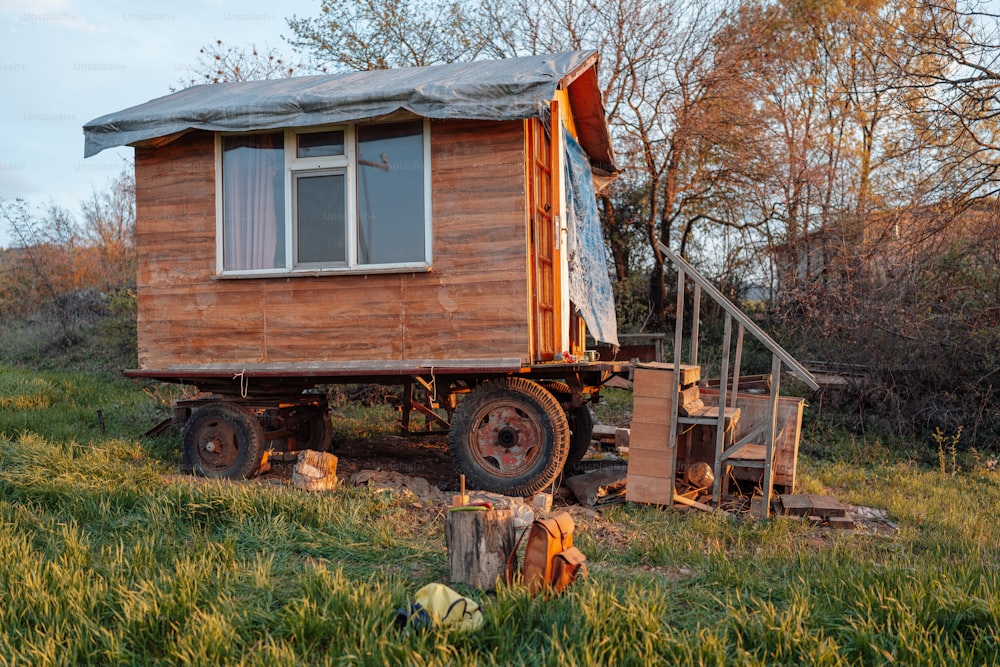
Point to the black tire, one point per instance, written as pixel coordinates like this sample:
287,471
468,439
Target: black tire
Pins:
509,436
581,424
559,389
581,427
315,433
223,440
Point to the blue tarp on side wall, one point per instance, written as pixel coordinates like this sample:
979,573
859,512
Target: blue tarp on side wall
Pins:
589,283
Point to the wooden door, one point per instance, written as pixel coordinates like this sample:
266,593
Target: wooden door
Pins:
543,210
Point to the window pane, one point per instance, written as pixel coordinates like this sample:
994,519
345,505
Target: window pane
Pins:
253,202
391,193
321,218
319,144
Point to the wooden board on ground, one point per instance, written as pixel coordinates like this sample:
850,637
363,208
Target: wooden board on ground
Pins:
796,505
824,507
681,500
842,522
603,432
827,506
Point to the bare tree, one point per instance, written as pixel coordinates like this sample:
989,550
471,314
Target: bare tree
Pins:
381,34
220,63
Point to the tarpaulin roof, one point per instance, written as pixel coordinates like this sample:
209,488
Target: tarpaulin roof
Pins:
510,89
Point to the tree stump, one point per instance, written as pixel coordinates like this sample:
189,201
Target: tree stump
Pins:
315,471
479,543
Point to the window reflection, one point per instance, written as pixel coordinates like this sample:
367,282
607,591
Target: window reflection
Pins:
385,220
390,193
321,207
320,144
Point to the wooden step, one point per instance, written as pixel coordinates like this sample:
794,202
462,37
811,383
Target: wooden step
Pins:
748,456
709,414
812,505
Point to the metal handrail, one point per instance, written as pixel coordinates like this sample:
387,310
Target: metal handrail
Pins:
796,368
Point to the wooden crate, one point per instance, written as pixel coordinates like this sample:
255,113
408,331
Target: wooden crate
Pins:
645,489
655,380
651,410
649,436
755,409
651,461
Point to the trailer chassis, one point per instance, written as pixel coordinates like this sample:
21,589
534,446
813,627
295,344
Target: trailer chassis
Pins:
512,428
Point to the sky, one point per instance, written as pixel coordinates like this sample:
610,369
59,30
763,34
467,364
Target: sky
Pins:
66,62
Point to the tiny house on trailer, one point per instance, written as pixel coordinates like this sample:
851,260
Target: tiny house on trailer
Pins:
433,228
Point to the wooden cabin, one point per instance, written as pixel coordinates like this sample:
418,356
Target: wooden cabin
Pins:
432,227
400,215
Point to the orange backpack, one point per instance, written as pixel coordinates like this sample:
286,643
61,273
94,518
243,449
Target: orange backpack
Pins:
550,560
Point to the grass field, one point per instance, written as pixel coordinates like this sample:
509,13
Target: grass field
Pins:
108,558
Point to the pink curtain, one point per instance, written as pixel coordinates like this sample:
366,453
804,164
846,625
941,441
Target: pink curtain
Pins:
253,201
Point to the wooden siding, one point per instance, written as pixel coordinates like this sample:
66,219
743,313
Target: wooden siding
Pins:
472,305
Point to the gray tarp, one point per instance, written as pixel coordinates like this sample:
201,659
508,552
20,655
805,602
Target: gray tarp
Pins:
589,283
510,89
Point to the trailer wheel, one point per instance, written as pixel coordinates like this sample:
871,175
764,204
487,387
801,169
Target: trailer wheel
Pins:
223,440
581,423
581,427
315,433
509,436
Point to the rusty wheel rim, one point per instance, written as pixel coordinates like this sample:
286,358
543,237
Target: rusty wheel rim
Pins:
506,439
217,445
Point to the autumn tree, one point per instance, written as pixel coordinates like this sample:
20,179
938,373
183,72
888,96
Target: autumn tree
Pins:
665,88
108,226
952,68
878,143
66,275
946,254
41,266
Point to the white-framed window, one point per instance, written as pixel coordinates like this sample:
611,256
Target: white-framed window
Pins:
350,198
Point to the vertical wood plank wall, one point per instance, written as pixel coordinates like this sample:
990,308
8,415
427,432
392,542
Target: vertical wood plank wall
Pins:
473,304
